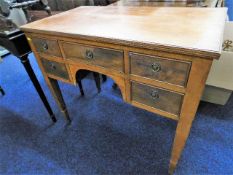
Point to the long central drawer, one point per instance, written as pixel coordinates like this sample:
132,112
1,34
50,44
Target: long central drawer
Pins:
107,58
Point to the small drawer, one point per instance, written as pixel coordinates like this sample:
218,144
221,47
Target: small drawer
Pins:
55,68
157,98
49,47
103,57
166,70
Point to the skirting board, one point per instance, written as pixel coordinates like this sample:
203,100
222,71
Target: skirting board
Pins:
216,95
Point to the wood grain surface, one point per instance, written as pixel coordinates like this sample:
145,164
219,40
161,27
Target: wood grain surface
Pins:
179,30
168,3
177,44
162,69
55,68
157,98
49,47
104,57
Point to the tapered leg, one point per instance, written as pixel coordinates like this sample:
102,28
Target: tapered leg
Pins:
31,74
80,87
104,77
114,86
97,81
196,84
54,87
2,91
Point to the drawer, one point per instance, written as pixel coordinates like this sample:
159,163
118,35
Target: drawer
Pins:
157,98
103,57
55,68
49,47
166,70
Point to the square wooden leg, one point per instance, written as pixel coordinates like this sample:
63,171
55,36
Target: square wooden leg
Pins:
195,87
55,89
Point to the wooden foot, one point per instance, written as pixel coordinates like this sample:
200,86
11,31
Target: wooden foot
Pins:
172,168
66,114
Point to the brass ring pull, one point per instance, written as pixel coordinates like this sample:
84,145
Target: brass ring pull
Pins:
156,67
45,46
155,94
53,66
89,54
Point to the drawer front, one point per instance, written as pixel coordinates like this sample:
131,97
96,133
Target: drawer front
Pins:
49,47
166,70
55,68
103,57
157,98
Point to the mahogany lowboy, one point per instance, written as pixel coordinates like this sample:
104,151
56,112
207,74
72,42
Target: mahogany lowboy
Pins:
159,57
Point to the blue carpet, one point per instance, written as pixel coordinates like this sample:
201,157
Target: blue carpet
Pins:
107,136
229,4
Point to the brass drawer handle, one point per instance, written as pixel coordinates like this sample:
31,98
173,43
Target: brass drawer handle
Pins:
156,67
52,66
89,54
45,46
155,94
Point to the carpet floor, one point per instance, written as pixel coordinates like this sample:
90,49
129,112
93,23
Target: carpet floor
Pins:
107,136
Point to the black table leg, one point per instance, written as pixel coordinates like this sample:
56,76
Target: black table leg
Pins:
104,77
97,81
80,87
29,70
2,91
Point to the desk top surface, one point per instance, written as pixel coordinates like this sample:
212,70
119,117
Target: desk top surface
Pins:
168,3
185,29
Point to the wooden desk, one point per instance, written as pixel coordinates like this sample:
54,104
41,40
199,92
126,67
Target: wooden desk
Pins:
170,3
159,58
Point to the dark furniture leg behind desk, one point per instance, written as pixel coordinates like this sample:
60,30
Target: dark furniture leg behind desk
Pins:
2,91
17,44
26,63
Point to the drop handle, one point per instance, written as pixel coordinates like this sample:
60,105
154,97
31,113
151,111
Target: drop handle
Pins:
45,46
155,94
156,67
89,54
53,66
